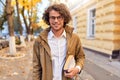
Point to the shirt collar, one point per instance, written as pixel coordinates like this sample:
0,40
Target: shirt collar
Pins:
64,34
51,34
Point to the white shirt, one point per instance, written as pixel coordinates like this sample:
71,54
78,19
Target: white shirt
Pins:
58,52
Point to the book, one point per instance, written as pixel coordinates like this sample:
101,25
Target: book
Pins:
70,63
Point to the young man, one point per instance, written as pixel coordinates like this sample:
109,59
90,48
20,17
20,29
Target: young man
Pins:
54,45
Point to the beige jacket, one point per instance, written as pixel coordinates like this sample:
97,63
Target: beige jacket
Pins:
42,63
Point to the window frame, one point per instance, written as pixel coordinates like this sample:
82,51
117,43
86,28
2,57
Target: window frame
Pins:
91,23
75,24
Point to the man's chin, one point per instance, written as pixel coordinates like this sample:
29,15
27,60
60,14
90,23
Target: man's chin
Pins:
56,27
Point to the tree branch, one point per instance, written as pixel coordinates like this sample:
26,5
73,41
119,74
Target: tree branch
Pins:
2,3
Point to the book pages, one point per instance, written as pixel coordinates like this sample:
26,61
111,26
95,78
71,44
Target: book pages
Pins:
70,62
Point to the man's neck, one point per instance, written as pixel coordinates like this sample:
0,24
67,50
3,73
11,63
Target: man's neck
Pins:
58,33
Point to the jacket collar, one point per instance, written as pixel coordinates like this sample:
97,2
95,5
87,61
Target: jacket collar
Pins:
44,42
51,35
44,34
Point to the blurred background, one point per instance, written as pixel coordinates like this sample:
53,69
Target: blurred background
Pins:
97,22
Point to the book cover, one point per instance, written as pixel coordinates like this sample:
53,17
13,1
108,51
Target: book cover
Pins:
70,63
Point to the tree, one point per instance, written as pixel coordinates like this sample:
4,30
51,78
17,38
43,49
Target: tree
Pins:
20,25
30,7
18,18
9,12
16,25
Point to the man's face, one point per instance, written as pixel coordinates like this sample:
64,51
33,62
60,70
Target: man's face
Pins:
56,20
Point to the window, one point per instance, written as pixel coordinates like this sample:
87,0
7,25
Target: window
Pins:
75,24
91,23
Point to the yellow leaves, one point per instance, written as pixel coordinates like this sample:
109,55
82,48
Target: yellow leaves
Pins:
12,69
42,24
23,2
28,4
13,2
13,74
34,25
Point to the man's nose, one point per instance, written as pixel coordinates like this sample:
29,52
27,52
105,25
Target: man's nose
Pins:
56,19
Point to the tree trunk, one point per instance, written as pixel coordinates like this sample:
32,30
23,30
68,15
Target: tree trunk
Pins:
20,27
9,12
27,26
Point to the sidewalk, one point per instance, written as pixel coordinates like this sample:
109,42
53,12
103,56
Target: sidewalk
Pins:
102,61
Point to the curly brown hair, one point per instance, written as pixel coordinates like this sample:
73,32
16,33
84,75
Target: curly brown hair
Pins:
62,9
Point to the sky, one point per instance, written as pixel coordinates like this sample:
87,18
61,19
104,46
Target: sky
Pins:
41,7
1,7
44,4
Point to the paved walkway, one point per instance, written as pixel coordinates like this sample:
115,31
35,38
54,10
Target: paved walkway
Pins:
17,68
102,61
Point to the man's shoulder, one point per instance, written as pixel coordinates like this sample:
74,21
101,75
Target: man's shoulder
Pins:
38,40
74,35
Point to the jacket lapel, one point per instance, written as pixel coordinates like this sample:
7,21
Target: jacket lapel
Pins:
69,31
44,41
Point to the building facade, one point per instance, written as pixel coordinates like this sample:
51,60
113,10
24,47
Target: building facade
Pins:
97,22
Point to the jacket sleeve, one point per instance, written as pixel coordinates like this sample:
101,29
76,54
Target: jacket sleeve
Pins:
79,55
37,70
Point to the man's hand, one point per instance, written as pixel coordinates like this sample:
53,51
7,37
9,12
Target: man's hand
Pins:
71,72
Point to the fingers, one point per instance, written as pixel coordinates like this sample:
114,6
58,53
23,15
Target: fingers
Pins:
71,72
69,75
